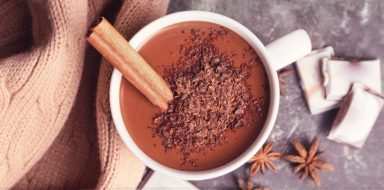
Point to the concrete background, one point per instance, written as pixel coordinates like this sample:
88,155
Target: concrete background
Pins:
355,28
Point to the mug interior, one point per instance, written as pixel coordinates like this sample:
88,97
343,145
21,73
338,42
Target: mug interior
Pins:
141,37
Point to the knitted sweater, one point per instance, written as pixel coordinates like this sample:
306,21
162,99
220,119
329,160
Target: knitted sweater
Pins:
56,129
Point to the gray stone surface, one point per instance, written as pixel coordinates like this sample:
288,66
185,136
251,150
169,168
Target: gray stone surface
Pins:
355,29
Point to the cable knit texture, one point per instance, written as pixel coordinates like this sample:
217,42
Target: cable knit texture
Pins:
56,129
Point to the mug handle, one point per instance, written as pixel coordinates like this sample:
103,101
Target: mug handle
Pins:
289,48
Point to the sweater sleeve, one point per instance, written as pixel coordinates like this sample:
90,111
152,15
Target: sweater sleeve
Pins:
38,85
56,128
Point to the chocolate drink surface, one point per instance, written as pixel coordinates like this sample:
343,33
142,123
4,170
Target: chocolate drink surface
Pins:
221,97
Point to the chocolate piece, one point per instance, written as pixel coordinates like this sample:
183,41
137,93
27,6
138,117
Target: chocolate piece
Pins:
340,74
355,120
309,70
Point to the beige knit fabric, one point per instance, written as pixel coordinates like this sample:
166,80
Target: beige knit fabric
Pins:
55,124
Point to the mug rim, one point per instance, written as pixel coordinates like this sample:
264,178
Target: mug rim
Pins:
151,29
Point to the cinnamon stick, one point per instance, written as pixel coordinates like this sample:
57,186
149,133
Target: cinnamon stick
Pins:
113,46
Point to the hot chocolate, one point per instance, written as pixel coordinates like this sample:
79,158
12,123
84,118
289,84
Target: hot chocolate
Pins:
221,97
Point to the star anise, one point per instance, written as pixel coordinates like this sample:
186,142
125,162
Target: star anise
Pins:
263,159
282,74
308,161
249,185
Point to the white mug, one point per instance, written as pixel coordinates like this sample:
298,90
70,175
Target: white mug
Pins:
274,56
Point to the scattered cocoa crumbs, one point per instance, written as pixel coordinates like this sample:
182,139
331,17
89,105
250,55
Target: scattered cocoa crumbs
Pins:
211,97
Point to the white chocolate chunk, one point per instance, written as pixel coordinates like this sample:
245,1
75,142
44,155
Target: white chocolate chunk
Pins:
340,74
357,115
309,70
